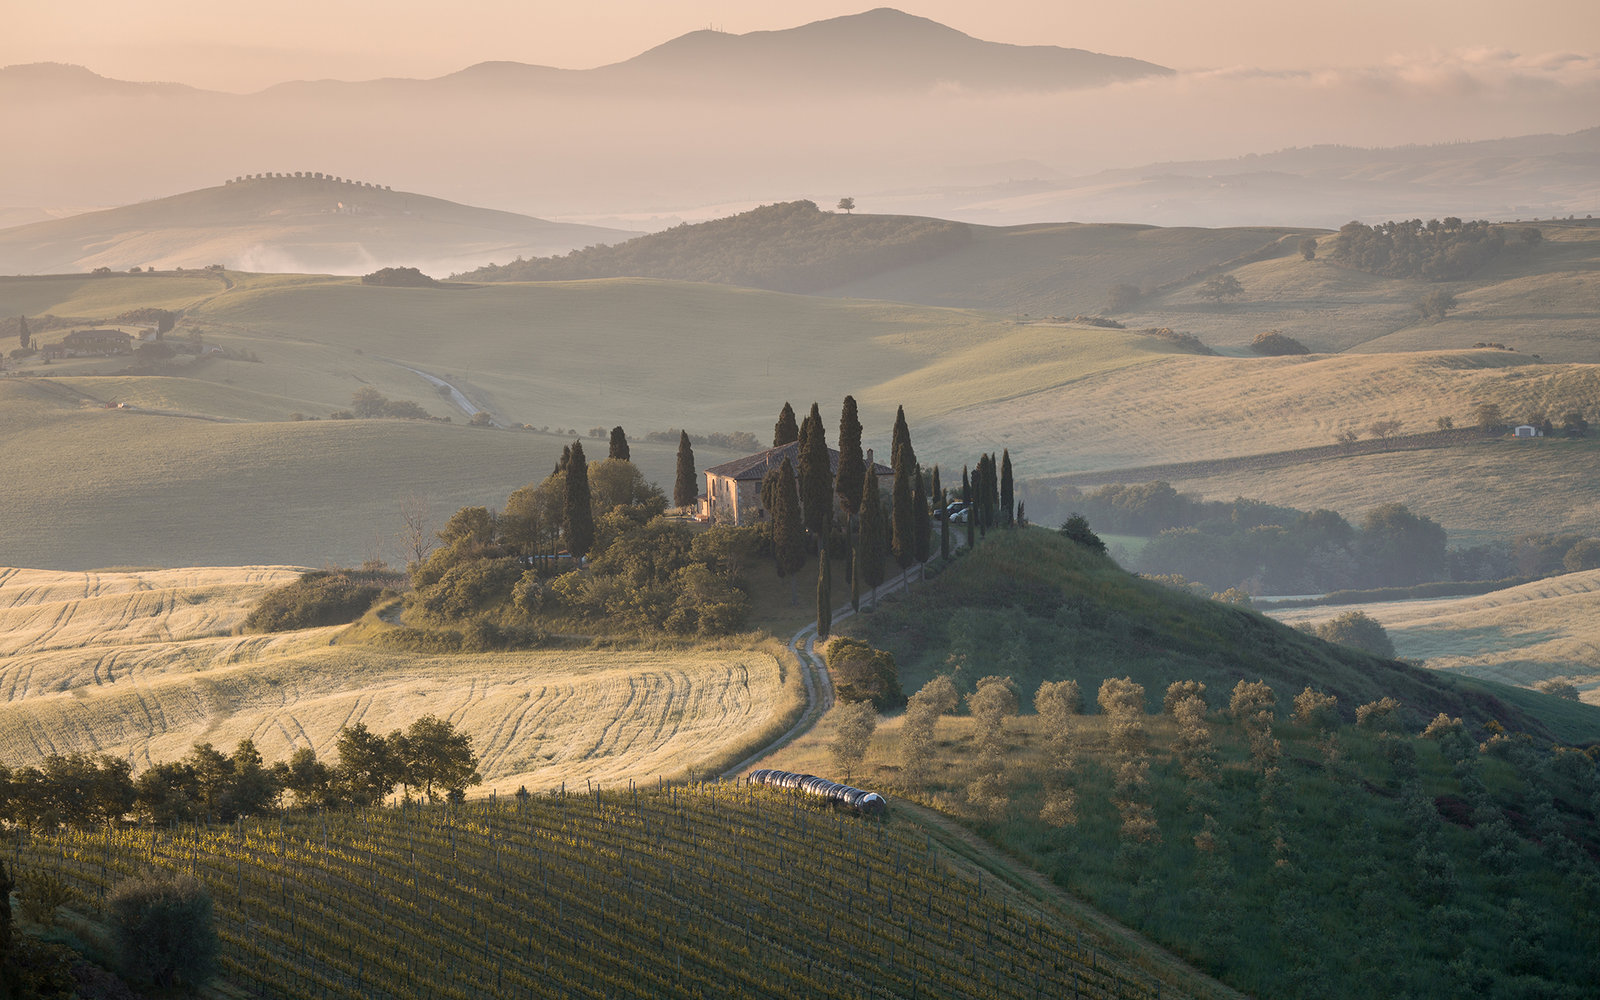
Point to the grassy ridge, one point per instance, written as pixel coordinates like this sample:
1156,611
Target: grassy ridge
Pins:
676,892
1034,606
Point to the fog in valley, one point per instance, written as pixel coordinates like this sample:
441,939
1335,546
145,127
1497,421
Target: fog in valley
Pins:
700,128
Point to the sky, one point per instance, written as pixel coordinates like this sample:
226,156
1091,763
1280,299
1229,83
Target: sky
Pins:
246,47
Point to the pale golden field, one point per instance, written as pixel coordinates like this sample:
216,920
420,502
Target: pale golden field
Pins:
143,664
1548,629
1482,491
1180,408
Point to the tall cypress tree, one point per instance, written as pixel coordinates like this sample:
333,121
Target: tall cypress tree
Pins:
685,490
788,546
619,444
824,593
902,514
936,491
966,498
870,543
22,332
901,441
922,540
1008,502
785,430
578,515
816,478
564,461
852,476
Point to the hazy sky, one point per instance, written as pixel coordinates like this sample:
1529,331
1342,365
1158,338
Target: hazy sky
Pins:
243,47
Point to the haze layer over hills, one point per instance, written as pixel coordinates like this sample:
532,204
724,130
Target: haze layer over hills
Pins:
902,113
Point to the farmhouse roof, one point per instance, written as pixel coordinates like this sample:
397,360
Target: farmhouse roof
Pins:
754,467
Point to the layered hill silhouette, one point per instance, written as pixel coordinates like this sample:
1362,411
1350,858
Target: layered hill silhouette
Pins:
878,50
314,223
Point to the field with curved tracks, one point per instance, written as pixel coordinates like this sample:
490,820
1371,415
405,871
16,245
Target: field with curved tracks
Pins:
143,664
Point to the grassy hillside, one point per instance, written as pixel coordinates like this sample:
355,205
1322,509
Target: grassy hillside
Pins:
143,664
787,247
288,224
1492,489
694,891
1539,631
1304,859
1036,607
1538,299
652,355
1063,269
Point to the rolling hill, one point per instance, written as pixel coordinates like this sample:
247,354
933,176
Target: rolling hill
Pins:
310,224
654,355
144,664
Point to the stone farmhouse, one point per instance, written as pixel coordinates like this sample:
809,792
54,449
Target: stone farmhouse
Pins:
733,489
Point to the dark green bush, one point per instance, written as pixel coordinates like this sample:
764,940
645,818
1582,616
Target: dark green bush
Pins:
861,673
321,597
164,930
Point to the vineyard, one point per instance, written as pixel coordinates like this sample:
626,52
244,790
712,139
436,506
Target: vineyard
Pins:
666,891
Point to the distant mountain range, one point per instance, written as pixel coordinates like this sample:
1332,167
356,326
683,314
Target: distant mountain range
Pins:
879,50
315,223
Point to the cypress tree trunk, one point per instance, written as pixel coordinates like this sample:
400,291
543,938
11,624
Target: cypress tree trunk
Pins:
1007,491
824,593
855,577
944,537
788,544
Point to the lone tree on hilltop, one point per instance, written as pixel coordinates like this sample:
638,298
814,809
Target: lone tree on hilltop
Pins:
1223,286
578,515
852,476
685,490
847,205
785,430
1308,248
619,444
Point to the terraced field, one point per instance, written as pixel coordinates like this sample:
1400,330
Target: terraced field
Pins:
144,664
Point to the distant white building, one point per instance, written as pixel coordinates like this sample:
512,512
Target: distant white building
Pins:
1527,431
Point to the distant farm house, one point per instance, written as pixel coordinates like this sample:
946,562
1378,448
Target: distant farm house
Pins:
733,489
96,341
1527,431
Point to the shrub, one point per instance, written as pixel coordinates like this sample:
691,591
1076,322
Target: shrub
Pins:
1179,690
42,895
318,598
163,929
1273,344
1381,716
861,673
1313,708
398,277
1358,630
1559,688
1077,529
